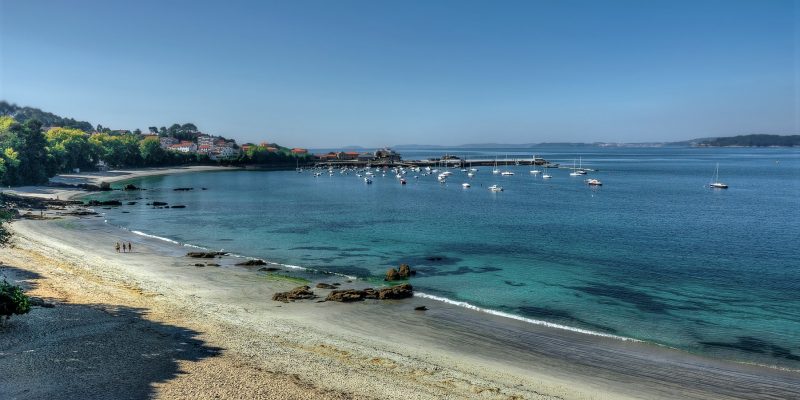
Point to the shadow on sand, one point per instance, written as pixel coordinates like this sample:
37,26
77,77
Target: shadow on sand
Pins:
89,351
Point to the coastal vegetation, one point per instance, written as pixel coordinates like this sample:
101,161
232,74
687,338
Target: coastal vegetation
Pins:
35,145
13,301
753,141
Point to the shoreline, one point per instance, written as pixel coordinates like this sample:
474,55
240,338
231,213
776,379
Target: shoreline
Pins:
95,178
547,360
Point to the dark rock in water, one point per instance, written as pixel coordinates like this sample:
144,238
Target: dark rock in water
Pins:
183,189
345,296
434,258
205,254
298,293
159,203
405,271
392,275
130,203
212,265
396,292
199,265
179,206
268,269
421,308
104,203
204,188
130,186
337,284
126,212
325,286
252,262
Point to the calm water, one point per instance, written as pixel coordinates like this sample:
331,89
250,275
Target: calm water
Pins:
651,255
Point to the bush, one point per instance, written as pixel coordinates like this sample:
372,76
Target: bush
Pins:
12,300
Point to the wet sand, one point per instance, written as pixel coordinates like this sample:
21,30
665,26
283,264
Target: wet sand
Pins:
362,350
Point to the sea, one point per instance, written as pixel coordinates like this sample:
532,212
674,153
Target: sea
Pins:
653,254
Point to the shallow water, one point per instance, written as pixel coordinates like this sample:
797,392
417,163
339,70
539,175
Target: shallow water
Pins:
651,255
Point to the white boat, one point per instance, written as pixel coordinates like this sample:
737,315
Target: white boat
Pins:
716,184
593,182
495,170
470,174
534,171
402,181
506,173
496,188
466,185
546,175
580,166
367,181
574,170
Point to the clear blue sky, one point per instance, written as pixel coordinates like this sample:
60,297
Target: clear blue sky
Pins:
377,72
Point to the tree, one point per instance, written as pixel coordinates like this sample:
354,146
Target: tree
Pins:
152,153
72,149
137,131
27,145
153,130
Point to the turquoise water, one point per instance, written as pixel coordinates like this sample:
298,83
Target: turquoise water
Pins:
651,255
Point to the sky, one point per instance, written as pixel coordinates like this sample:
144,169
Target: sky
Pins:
378,72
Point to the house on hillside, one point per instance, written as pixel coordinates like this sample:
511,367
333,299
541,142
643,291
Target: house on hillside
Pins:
166,142
299,151
184,147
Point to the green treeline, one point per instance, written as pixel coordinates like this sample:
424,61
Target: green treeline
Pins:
754,141
29,155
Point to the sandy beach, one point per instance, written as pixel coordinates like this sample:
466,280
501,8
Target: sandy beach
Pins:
96,178
153,324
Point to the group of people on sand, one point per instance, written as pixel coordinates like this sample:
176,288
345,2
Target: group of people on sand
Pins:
126,248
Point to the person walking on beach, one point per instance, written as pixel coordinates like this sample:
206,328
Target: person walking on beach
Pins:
130,248
117,247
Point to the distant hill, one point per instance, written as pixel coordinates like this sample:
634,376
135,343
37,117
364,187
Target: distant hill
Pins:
752,141
47,119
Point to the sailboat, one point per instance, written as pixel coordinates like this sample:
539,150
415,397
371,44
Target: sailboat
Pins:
506,172
574,170
716,184
495,170
534,171
546,175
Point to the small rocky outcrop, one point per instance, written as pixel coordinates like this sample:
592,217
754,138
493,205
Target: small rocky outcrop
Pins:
268,269
249,263
392,275
178,206
346,296
183,189
421,308
104,203
158,203
391,293
130,186
131,203
405,272
205,254
298,293
396,292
